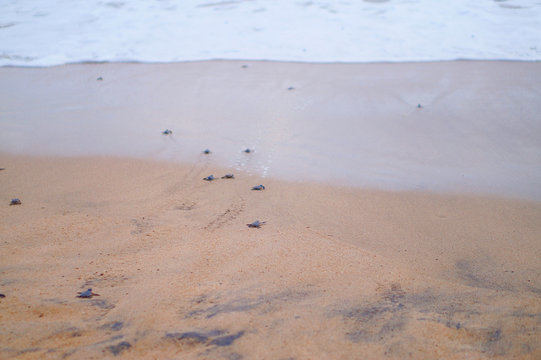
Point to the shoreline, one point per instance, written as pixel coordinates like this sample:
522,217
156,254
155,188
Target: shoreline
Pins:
334,271
180,62
349,124
221,168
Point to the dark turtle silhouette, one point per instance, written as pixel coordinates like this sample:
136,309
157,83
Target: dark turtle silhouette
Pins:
2,296
247,150
291,88
419,106
2,169
209,178
99,79
87,294
207,151
167,132
228,176
258,187
256,224
15,202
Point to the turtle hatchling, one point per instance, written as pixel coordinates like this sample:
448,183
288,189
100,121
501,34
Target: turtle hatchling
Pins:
209,178
248,150
15,202
207,151
167,132
258,187
256,224
87,294
228,176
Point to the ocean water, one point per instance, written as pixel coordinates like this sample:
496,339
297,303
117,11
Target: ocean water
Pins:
46,33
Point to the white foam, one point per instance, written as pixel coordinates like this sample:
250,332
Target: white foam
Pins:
45,33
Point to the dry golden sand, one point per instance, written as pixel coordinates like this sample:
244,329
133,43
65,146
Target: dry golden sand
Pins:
335,273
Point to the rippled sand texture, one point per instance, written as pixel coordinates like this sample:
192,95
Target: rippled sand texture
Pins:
335,273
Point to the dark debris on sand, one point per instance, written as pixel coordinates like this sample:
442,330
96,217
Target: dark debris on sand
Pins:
213,337
118,348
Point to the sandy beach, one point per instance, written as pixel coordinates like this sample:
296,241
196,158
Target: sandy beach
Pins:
436,268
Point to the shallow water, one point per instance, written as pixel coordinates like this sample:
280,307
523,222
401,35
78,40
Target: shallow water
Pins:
58,32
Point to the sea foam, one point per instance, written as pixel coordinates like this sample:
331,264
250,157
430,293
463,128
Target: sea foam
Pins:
49,33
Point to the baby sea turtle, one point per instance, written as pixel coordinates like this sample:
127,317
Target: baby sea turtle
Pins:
228,176
256,224
209,178
167,132
207,151
291,88
419,106
87,294
15,202
248,150
99,79
258,187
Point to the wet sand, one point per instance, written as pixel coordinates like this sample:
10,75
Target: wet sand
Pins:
336,272
477,130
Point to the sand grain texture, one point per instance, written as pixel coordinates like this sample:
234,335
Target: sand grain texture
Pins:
335,272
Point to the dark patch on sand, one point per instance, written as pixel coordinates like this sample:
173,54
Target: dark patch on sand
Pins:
29,350
209,338
115,326
67,353
113,338
266,303
481,274
227,339
473,317
495,344
534,290
191,337
374,322
119,348
233,356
